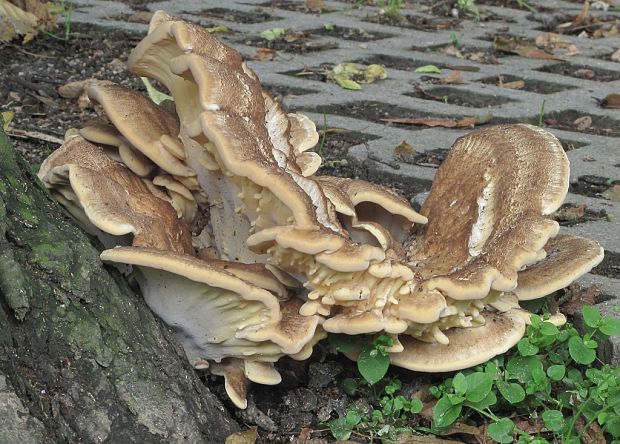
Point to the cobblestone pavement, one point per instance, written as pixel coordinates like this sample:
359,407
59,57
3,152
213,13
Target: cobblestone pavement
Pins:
562,90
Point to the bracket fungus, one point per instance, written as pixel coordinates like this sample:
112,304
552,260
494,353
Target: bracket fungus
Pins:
249,256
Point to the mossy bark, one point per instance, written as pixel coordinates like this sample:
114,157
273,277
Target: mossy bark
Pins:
82,358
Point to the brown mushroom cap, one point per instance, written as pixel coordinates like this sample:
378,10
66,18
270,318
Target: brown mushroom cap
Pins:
303,134
467,347
488,210
568,258
143,123
113,198
219,313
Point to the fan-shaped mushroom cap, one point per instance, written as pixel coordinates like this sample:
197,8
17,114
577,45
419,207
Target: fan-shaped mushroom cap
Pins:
467,347
303,134
567,259
143,123
101,133
114,199
487,210
235,381
219,313
182,199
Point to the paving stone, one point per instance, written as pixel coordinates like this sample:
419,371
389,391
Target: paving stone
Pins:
551,85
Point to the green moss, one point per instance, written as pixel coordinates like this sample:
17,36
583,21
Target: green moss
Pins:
53,257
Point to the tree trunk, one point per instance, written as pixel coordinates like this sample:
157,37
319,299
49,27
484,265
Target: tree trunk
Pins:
82,358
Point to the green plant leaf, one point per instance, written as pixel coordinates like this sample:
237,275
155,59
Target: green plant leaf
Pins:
556,372
478,386
553,419
548,329
416,405
339,429
591,316
154,94
352,419
347,83
372,365
613,427
526,348
489,400
445,413
521,367
502,430
610,326
349,385
273,34
512,392
343,343
428,69
579,351
459,383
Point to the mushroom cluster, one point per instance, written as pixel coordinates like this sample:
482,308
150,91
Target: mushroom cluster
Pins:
238,245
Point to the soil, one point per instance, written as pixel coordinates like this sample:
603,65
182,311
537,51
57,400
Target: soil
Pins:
586,72
355,34
488,56
570,214
33,72
297,6
610,266
456,96
256,16
531,85
410,64
302,44
592,186
430,158
420,23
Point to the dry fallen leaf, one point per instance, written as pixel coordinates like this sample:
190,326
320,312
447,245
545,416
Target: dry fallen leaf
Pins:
5,118
522,48
464,122
248,437
611,101
454,78
72,90
576,297
117,65
517,84
266,54
582,123
612,194
570,214
403,148
314,5
615,56
141,17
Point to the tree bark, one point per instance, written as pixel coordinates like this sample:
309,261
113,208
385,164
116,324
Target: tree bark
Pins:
82,358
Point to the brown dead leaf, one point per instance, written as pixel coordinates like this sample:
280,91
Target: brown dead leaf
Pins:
293,35
576,297
579,19
570,214
522,48
582,123
466,429
585,73
116,64
531,426
602,33
454,78
141,17
14,96
266,54
453,51
463,122
591,432
305,433
550,39
72,90
612,194
615,56
248,437
517,84
314,5
611,101
403,148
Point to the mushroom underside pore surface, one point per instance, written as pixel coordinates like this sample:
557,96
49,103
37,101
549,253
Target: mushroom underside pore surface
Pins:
239,246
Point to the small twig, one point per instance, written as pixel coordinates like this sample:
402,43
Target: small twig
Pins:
32,54
36,135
